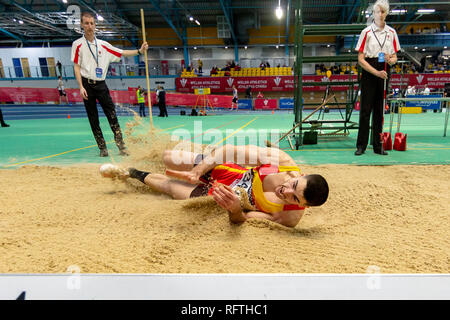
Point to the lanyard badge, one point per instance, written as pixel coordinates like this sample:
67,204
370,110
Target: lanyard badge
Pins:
381,55
98,71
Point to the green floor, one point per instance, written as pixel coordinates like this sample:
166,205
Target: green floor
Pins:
70,141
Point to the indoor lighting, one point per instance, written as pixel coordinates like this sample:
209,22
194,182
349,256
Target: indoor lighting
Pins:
64,1
399,11
246,47
226,47
328,45
99,18
416,48
445,47
279,12
277,46
423,49
197,22
191,18
175,48
195,48
20,21
426,11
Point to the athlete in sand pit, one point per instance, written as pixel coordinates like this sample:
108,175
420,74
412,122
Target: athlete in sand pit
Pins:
258,183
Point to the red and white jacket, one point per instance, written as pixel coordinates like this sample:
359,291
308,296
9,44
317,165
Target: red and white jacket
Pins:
82,56
369,45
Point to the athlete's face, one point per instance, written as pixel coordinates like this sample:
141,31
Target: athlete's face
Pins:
88,24
379,15
291,191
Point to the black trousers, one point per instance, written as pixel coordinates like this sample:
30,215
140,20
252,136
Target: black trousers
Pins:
142,109
372,95
162,109
1,117
100,92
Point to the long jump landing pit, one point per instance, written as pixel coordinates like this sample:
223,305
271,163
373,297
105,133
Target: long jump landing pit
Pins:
62,214
395,218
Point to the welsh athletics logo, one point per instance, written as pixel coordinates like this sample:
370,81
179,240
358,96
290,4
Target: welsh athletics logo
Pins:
419,78
230,82
266,102
277,81
183,82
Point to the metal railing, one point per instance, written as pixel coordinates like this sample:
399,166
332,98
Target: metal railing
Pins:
66,71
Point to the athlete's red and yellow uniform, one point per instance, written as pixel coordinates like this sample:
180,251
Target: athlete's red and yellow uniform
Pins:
249,181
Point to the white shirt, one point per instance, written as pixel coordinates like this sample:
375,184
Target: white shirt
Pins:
370,46
426,91
60,85
82,56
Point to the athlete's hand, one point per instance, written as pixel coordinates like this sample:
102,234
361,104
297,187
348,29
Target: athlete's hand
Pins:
382,74
226,198
143,48
188,176
83,93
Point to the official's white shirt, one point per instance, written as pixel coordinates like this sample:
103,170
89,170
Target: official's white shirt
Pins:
60,85
370,46
82,56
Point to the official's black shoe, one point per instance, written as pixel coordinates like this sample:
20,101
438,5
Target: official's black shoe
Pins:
359,152
103,152
5,125
381,152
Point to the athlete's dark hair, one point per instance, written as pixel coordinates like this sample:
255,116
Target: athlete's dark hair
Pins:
316,191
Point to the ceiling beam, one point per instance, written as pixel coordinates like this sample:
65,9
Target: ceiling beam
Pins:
43,21
228,14
168,20
288,16
11,35
133,43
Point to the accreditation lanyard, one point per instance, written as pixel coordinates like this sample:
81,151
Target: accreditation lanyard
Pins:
381,45
96,49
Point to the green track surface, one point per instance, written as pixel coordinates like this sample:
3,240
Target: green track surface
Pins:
60,142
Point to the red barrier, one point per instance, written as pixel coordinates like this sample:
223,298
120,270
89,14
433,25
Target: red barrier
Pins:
44,95
266,104
286,83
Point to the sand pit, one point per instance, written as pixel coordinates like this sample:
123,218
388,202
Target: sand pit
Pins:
393,217
54,218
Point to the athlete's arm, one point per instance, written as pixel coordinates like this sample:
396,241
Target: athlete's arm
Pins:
227,199
248,155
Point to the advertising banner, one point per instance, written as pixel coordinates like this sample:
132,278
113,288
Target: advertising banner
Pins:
44,95
286,83
245,104
286,103
265,104
424,104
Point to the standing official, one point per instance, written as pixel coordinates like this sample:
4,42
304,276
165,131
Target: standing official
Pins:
91,58
141,101
161,97
377,47
2,122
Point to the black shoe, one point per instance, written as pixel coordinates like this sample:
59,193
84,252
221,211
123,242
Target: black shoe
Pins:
123,152
103,152
5,125
359,152
381,152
